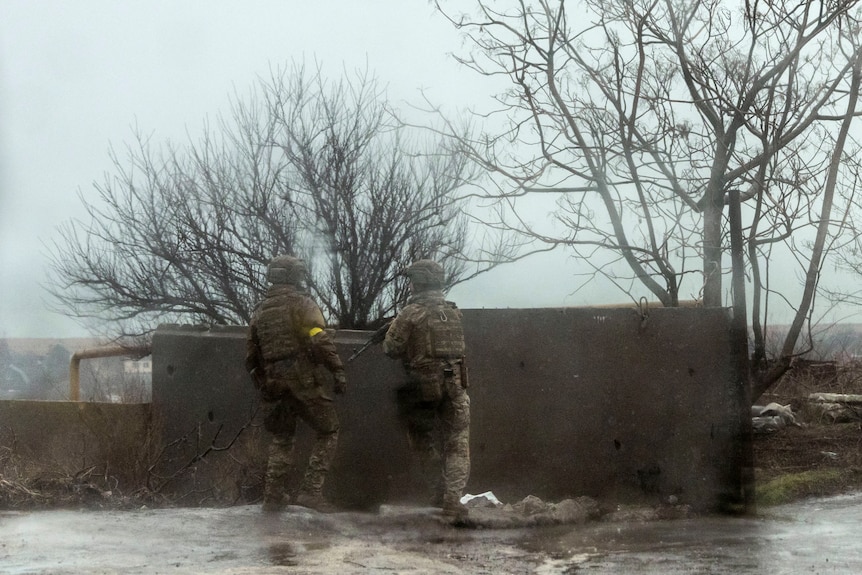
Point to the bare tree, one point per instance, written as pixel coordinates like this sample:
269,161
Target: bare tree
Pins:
325,171
376,195
641,116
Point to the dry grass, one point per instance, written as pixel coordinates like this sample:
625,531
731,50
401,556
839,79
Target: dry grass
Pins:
28,484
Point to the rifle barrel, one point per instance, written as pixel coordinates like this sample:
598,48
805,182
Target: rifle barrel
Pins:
377,337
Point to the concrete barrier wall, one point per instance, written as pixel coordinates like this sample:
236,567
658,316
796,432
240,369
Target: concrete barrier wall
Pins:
610,403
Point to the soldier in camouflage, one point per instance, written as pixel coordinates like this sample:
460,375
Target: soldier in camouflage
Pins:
427,336
288,355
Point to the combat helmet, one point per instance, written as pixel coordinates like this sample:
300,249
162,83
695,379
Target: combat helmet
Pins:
426,274
286,270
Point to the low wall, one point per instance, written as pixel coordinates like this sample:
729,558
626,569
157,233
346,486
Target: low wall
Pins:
611,403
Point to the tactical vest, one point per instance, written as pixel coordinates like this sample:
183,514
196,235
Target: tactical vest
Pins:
444,330
276,328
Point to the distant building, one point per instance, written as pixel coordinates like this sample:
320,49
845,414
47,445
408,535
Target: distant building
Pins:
138,366
38,368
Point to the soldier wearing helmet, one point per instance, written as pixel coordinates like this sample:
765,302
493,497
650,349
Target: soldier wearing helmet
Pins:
427,336
287,348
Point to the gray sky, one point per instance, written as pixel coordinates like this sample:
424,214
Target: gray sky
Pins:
76,77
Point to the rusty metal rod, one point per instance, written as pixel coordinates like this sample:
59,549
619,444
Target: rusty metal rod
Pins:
96,352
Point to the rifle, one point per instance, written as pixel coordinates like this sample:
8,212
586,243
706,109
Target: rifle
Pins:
377,337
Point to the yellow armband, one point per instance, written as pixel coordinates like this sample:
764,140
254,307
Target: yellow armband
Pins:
314,331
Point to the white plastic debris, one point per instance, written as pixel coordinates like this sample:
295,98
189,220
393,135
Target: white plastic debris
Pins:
775,410
767,424
772,417
488,495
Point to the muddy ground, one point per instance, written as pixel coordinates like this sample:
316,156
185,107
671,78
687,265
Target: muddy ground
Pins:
817,457
831,452
812,536
804,534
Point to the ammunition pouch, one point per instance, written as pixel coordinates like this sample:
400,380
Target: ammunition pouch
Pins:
425,387
275,382
455,379
465,374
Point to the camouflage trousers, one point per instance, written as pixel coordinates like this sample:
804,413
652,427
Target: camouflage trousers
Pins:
439,433
280,418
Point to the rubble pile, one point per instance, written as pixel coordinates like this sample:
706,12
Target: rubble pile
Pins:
487,512
836,407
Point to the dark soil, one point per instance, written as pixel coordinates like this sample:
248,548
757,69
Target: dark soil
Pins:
817,457
814,447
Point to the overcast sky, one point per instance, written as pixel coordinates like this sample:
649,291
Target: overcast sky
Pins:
76,77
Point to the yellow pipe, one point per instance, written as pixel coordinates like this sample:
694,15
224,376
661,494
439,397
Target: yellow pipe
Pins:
92,353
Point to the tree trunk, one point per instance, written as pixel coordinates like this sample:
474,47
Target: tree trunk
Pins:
712,252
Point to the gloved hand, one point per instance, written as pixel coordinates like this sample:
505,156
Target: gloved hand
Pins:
340,383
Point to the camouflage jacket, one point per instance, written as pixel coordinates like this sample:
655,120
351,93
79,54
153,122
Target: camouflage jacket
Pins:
288,325
427,333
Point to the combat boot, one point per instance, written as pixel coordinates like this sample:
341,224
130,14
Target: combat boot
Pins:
454,509
437,500
273,503
275,499
314,501
438,493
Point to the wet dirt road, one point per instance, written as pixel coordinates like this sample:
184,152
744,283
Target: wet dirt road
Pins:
817,536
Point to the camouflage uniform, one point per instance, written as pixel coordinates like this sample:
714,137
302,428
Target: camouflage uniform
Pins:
287,351
427,336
